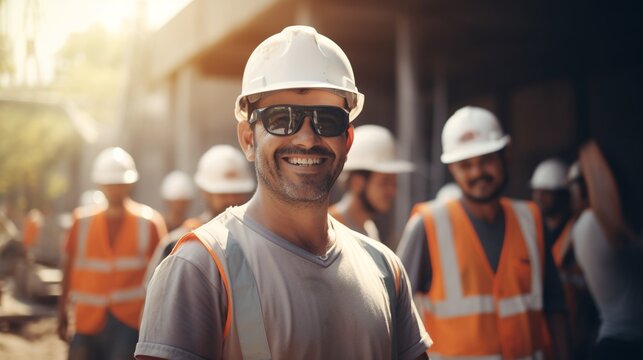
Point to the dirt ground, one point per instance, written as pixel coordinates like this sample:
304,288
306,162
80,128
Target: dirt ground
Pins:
35,340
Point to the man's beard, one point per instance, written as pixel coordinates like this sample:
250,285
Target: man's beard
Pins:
491,196
313,189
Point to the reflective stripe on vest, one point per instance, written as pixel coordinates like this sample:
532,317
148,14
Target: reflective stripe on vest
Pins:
455,304
241,287
83,263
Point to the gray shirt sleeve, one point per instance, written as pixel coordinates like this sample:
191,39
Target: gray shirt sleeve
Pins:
185,308
409,323
413,250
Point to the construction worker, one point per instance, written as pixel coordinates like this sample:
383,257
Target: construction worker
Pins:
32,225
609,250
370,179
107,252
478,303
225,179
549,191
177,192
278,277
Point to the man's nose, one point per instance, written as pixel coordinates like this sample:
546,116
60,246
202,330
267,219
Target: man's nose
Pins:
306,136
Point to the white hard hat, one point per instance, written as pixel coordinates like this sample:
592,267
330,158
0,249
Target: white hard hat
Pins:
374,149
470,132
224,170
448,191
551,174
574,172
92,197
296,58
177,185
114,166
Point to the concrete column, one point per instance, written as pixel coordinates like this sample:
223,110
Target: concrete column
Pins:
408,118
182,114
437,170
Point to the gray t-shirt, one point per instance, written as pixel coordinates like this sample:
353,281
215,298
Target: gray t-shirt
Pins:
314,307
414,252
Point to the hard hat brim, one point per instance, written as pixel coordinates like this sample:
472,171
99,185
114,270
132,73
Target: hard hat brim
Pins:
475,150
225,187
389,167
128,177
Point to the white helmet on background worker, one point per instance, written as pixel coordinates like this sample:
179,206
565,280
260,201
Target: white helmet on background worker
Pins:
298,58
470,132
551,174
574,172
448,191
114,166
374,150
224,170
177,185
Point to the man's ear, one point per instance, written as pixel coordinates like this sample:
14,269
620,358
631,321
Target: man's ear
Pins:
246,139
350,135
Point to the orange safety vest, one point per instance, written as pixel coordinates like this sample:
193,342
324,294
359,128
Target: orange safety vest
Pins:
32,226
110,277
572,279
472,311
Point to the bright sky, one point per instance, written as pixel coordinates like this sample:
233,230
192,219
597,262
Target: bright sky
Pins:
58,18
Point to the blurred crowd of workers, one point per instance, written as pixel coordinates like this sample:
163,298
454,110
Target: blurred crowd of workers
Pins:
491,277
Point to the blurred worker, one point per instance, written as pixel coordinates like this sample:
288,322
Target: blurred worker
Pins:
106,256
610,254
447,192
549,191
225,179
278,278
475,301
177,192
371,179
34,220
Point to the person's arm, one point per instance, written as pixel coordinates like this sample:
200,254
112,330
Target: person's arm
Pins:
414,254
185,308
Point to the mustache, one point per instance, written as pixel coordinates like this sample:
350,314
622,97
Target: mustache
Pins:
315,150
484,177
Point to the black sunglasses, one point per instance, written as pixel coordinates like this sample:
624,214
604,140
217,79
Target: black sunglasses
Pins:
284,120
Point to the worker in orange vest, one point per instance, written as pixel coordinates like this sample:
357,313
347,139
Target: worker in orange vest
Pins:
107,253
225,179
370,179
549,191
177,192
485,284
31,228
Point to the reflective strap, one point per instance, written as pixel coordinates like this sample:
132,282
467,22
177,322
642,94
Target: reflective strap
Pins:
248,317
390,281
83,263
128,294
529,231
88,299
144,223
538,355
130,263
518,304
483,304
83,235
449,261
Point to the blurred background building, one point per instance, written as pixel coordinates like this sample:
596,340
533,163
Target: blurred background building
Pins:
555,73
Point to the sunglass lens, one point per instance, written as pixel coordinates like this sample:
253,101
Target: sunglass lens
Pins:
281,120
330,122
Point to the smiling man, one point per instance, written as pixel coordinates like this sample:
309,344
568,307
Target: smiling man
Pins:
278,277
486,286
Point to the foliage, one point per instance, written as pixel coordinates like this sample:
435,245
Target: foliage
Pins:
35,141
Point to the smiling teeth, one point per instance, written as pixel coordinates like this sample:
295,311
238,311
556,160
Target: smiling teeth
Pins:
304,161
